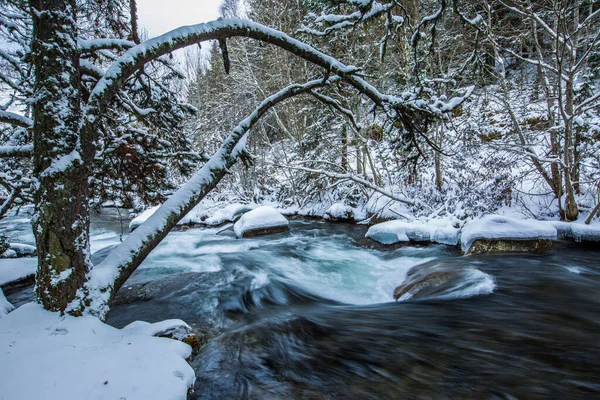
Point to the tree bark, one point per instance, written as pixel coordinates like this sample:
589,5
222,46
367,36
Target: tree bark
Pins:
61,223
571,208
344,140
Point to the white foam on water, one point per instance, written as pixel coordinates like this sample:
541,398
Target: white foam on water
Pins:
99,239
475,283
574,269
260,279
339,272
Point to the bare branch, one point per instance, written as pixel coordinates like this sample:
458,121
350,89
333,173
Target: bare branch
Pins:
225,54
353,178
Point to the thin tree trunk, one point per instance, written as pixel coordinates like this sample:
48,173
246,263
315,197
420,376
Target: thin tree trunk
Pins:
344,139
359,162
571,208
437,158
133,16
576,131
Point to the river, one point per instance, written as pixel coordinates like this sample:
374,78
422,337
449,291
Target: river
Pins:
309,314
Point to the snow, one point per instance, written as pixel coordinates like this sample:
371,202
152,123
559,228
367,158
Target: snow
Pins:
62,163
15,269
576,231
5,306
10,253
9,151
198,215
493,227
229,213
342,211
583,232
140,219
260,218
437,231
23,249
49,356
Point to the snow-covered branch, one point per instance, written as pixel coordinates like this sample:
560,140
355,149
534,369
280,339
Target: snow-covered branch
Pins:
153,48
333,22
16,151
15,119
90,46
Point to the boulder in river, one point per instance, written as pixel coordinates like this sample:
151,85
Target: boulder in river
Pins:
435,231
480,246
339,212
496,233
444,281
263,220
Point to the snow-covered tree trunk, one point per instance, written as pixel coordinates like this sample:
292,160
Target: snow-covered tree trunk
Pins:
61,224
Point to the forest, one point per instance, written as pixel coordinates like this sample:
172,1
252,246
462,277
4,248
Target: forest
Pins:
301,164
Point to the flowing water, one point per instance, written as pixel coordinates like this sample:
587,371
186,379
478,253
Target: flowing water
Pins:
309,314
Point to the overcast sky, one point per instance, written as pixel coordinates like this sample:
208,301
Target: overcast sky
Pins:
160,16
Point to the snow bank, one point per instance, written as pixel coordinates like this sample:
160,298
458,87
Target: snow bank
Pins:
563,229
577,231
48,356
261,218
15,269
5,306
493,227
585,233
437,231
23,250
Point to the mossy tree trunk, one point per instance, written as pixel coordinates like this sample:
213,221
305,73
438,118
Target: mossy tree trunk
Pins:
61,223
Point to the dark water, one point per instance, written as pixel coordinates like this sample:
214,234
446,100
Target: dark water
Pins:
311,316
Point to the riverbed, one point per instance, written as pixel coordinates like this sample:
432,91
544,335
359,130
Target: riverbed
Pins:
309,314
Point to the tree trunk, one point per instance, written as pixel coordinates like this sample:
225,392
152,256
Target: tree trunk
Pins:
61,223
571,208
437,159
359,161
344,139
571,96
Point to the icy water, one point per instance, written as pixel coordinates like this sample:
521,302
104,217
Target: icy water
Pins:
310,315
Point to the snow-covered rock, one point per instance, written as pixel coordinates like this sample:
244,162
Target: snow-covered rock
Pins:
497,228
10,253
260,221
23,250
15,269
339,212
96,361
437,231
5,306
201,214
229,213
444,281
140,219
